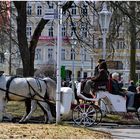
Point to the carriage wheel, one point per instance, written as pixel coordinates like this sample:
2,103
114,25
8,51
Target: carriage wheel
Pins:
103,107
98,114
84,114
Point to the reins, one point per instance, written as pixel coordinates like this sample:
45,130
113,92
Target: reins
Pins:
36,93
44,100
12,93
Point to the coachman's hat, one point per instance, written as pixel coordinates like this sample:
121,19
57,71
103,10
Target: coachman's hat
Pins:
101,60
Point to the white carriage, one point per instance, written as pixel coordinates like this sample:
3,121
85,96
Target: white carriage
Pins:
91,110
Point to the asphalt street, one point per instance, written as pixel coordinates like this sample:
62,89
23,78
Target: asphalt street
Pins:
120,131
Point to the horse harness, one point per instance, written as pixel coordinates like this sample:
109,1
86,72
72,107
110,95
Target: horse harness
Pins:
45,98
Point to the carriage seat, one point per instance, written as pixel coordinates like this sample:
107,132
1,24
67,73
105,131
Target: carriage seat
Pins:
103,87
97,86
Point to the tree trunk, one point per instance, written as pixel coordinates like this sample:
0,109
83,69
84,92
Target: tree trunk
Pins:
34,42
21,34
132,42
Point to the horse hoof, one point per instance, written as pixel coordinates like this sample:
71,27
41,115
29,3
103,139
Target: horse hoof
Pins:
22,122
51,122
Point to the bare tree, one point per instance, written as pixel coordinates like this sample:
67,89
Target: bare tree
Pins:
28,53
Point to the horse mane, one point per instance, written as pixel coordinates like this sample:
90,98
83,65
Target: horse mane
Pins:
50,81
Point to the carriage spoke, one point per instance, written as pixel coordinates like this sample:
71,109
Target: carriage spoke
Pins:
79,120
79,109
90,107
88,121
92,111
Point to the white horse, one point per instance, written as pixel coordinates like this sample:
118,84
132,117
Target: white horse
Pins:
25,89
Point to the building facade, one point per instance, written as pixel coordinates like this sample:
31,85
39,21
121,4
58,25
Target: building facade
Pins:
83,56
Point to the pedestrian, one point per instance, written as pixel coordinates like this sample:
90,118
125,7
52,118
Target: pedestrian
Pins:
132,87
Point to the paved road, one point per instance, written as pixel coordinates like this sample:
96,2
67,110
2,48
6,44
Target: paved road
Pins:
120,131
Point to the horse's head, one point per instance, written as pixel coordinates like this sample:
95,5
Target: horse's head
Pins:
51,88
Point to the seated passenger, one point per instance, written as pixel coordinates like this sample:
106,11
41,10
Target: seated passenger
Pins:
138,89
132,87
116,86
117,90
100,80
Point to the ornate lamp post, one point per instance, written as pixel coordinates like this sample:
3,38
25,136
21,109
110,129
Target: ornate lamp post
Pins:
59,44
104,20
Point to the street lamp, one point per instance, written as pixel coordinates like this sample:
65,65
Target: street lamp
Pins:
52,16
73,42
104,20
59,44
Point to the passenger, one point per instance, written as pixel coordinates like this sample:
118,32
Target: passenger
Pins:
100,80
138,89
117,90
116,86
132,87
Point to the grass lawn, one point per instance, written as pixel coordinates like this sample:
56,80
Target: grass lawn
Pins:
10,130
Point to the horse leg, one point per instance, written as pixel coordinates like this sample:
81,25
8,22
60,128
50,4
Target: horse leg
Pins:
28,109
46,108
2,108
33,108
45,113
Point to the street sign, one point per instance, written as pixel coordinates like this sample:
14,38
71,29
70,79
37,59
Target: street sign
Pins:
63,72
50,15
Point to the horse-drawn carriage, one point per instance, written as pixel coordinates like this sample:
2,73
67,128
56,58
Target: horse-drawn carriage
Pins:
41,91
92,110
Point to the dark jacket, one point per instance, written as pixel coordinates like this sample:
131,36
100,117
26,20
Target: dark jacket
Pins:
101,77
132,88
96,70
116,88
100,80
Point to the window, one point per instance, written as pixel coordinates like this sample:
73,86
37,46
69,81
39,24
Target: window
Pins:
85,54
85,74
84,30
114,64
100,43
73,27
63,54
72,54
1,57
29,9
120,45
29,31
38,54
51,31
84,10
138,44
63,31
50,53
51,5
73,11
64,13
39,10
